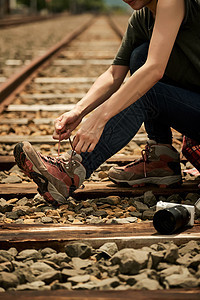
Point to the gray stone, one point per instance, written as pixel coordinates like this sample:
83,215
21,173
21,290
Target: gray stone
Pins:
28,262
195,262
109,249
110,270
93,220
21,210
123,277
29,254
136,214
119,221
198,272
24,274
47,250
48,277
124,220
174,269
87,211
149,198
79,263
12,215
148,214
171,254
134,279
147,284
85,286
157,257
140,206
181,280
79,278
152,274
18,264
111,200
23,202
19,221
175,198
40,267
54,265
4,206
5,255
162,266
1,290
57,258
66,273
160,246
184,260
94,271
130,261
12,179
131,201
78,250
8,280
13,251
35,286
108,283
131,219
100,213
65,265
122,288
46,220
192,197
6,266
61,286
191,247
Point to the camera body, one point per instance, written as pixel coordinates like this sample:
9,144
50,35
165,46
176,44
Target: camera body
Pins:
190,208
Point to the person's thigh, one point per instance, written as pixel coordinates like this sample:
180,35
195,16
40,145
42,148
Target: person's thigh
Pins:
176,107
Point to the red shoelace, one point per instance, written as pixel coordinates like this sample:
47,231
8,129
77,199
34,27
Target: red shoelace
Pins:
59,143
144,159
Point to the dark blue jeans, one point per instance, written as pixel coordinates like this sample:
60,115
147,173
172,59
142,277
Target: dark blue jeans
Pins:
162,107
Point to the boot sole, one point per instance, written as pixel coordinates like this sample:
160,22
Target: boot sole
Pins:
27,159
162,182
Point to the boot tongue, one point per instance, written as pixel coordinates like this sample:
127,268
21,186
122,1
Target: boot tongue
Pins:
66,156
152,142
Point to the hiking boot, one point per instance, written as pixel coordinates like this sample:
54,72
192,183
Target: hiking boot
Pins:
57,178
159,165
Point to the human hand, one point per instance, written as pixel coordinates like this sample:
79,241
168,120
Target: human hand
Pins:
89,134
65,124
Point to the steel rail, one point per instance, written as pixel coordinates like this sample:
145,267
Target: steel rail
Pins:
10,22
16,83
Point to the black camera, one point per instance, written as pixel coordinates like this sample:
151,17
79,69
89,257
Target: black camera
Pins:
170,217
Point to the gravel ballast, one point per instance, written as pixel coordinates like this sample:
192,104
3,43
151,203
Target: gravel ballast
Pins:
81,267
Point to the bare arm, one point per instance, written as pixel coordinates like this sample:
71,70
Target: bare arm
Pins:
105,85
169,16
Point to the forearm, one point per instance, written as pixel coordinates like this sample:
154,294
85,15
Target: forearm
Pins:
106,84
135,87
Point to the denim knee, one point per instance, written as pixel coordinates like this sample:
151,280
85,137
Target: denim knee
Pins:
138,57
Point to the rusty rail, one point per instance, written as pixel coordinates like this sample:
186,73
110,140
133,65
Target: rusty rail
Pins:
21,20
18,81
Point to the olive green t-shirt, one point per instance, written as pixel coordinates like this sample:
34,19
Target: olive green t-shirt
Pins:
184,63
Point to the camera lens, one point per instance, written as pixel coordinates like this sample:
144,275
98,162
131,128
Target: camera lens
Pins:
167,221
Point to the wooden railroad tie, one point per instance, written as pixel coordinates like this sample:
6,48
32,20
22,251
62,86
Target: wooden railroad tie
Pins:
173,294
99,189
135,235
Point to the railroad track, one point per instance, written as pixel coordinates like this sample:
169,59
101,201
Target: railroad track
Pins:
29,104
21,20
